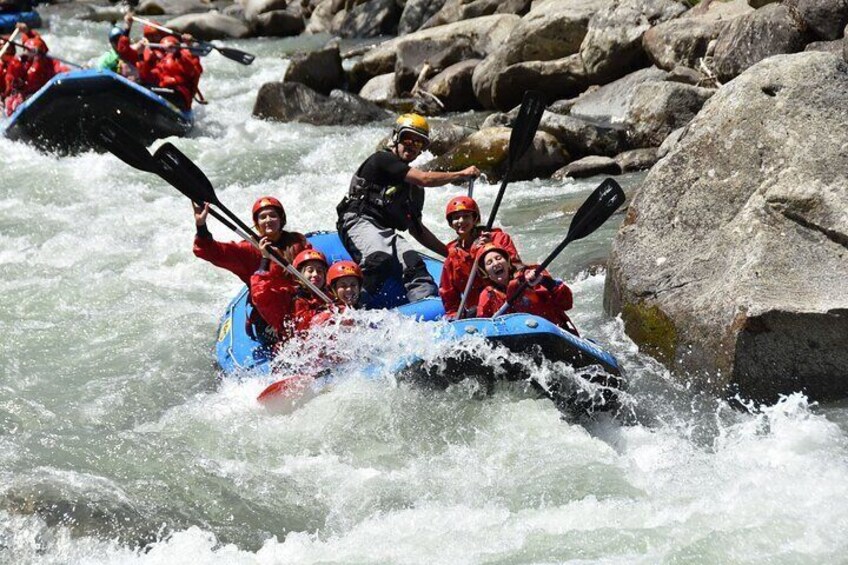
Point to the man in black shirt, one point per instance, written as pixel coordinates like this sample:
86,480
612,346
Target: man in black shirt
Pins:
387,195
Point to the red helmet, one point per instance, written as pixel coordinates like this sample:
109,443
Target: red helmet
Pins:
341,269
309,255
169,41
36,44
152,34
488,248
461,204
267,202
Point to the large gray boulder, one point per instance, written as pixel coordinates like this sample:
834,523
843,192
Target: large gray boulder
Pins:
294,102
609,103
172,7
453,87
439,54
589,166
753,37
553,29
210,26
371,19
730,265
458,10
612,47
659,108
416,12
825,19
684,40
321,19
319,70
484,35
582,137
379,89
557,79
488,150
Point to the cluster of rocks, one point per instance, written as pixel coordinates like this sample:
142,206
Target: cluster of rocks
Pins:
620,75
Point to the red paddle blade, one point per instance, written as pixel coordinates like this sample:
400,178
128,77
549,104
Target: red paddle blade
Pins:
287,394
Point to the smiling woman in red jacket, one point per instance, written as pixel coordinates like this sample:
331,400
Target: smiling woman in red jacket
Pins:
544,297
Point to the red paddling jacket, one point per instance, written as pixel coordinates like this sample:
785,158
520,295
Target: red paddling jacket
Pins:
273,294
457,269
241,258
549,299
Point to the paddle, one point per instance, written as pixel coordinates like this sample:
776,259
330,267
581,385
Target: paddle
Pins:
285,395
523,132
181,173
10,38
28,50
230,53
184,175
596,210
201,50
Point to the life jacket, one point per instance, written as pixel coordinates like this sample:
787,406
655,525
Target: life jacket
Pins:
390,206
457,269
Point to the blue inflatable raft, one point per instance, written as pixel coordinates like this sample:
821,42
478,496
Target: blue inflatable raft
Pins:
9,20
63,114
238,352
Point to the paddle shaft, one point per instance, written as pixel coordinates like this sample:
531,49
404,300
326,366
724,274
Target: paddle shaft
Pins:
250,237
28,50
233,54
526,124
597,208
11,38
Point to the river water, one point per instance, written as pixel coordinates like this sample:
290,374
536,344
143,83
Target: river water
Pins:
119,444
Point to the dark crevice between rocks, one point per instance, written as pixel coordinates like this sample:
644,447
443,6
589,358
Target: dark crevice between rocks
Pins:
771,90
834,236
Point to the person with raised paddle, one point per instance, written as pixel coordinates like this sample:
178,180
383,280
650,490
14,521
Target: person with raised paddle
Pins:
463,215
544,296
386,195
242,258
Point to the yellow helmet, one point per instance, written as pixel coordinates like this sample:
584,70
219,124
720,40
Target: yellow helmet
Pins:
414,124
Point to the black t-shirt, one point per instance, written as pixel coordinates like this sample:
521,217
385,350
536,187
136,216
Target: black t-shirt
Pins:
384,168
406,202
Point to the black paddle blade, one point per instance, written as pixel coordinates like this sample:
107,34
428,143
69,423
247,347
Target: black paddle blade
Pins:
200,49
120,143
235,55
184,175
596,210
523,132
526,124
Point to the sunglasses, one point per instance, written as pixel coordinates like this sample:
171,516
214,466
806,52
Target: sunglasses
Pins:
413,142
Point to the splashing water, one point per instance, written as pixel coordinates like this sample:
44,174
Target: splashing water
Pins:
118,444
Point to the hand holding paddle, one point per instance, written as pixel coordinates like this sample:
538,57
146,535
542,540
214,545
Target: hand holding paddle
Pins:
596,210
523,132
230,53
9,41
180,172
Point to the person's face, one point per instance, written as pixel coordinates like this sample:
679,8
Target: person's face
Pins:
463,223
347,289
410,147
315,272
269,222
496,267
